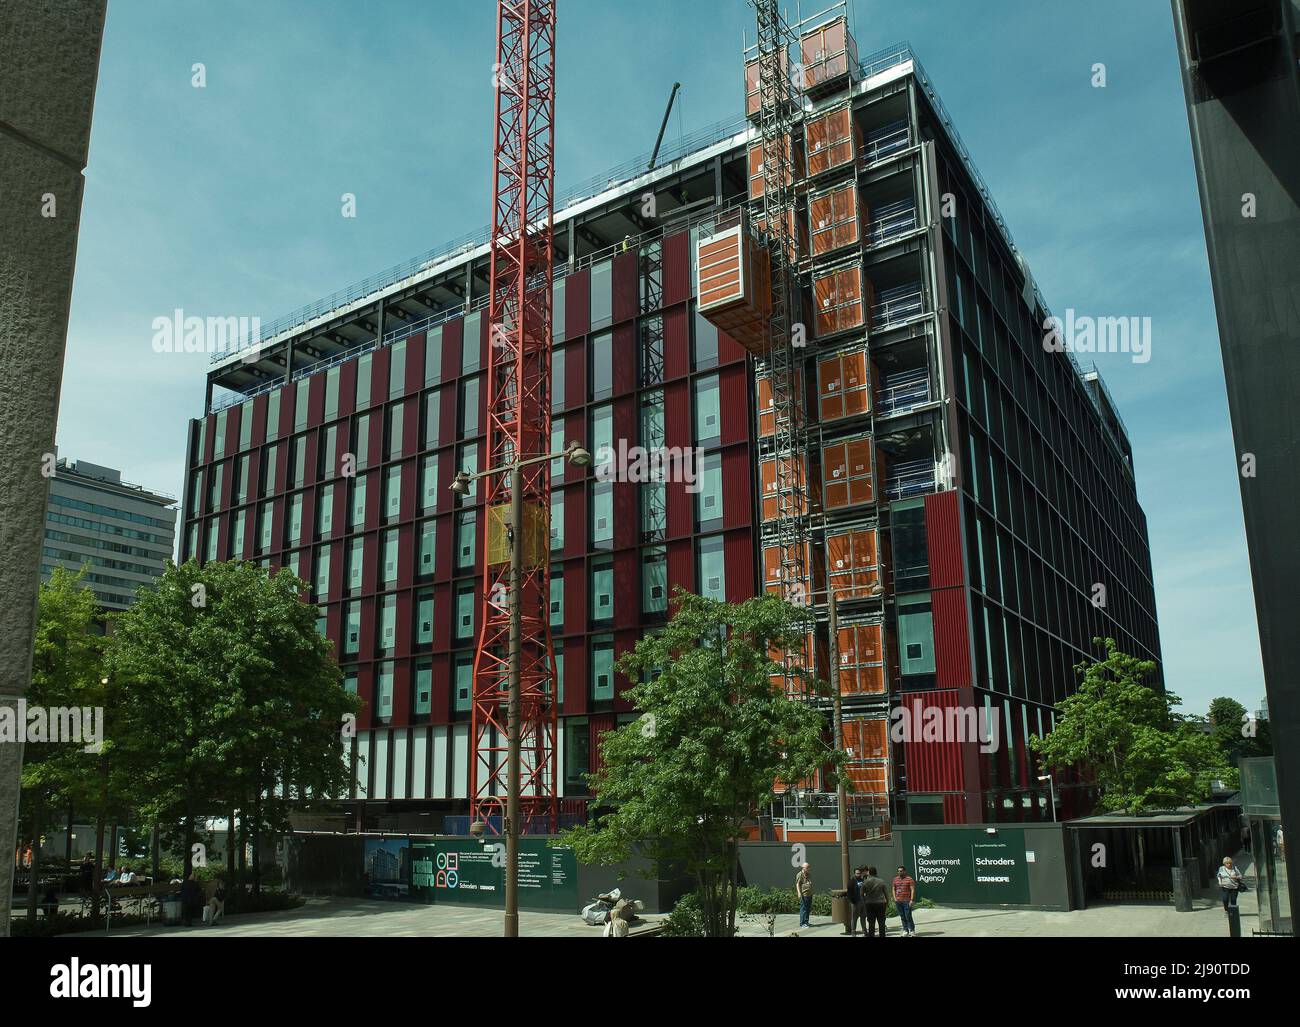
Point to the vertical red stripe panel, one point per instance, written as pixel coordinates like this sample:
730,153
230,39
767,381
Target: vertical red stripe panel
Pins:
625,359
681,566
677,268
627,589
315,401
932,766
575,382
260,405
952,652
575,674
737,483
415,362
729,350
624,642
733,397
452,334
575,598
623,275
577,305
738,554
598,726
444,600
379,377
677,343
347,392
943,537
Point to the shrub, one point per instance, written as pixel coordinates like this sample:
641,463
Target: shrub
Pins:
686,920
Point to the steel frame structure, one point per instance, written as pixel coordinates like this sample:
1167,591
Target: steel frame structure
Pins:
779,107
519,426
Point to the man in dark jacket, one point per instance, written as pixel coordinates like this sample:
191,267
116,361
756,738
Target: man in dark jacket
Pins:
856,912
191,899
875,899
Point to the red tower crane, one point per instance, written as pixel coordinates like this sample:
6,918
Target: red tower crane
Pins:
514,619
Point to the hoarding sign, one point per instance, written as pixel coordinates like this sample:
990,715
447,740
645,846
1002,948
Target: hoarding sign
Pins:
473,873
970,866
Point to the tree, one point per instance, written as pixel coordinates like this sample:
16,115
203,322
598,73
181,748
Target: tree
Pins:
227,692
714,736
1236,733
65,676
1130,738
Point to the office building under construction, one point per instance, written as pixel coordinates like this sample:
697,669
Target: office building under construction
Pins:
966,490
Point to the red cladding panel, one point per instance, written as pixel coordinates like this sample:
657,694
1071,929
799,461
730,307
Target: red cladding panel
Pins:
952,651
598,726
577,307
627,591
681,566
575,673
677,343
624,284
677,268
733,398
575,600
738,554
737,488
625,361
932,766
943,537
575,378
347,388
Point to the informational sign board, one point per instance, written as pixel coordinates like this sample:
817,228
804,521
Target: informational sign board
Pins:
471,872
969,866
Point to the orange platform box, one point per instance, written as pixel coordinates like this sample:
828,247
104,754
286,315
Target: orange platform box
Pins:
835,216
805,488
848,473
853,562
841,298
734,285
831,140
861,660
767,404
794,167
843,385
829,53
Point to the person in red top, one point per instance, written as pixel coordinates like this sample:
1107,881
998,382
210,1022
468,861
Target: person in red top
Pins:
904,896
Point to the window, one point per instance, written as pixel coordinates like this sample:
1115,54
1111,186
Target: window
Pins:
266,519
602,591
654,580
423,698
293,563
559,677
469,464
557,311
654,511
384,692
363,382
557,379
237,539
557,597
219,435
424,618
557,446
298,461
245,425
602,668
192,542
301,394
428,537
273,415
464,612
472,343
397,370
214,489
361,441
388,624
602,365
241,479
295,519
577,755
271,454
469,390
466,525
704,339
707,415
652,350
652,419
915,635
464,697
396,418
433,356
390,557
329,460
711,570
350,682
602,294
356,565
602,434
196,493
708,500
429,483
321,575
332,393
557,520
352,628
602,515
651,279
359,501
392,493
325,513
432,417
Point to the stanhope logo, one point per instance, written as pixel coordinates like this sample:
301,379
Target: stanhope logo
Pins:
107,980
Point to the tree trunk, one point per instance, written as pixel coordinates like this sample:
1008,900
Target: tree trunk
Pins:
257,843
733,858
34,874
189,841
67,838
97,886
112,852
155,852
230,846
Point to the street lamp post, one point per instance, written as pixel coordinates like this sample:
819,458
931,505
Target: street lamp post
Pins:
578,456
1051,790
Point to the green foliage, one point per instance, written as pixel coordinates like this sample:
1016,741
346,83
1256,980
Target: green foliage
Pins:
1237,734
1130,739
680,783
686,920
226,689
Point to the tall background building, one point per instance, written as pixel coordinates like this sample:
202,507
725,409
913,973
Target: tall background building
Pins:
969,489
126,533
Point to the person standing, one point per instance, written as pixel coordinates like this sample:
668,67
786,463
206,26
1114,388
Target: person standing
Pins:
803,888
875,900
904,896
1230,883
856,911
191,899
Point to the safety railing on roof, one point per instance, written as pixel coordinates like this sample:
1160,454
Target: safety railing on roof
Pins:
891,220
903,390
911,478
894,306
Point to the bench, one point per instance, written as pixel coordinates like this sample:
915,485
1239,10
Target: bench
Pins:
138,895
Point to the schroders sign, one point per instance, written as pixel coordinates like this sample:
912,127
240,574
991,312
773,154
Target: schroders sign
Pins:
970,866
473,873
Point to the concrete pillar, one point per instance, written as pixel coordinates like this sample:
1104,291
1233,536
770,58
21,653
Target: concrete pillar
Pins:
49,62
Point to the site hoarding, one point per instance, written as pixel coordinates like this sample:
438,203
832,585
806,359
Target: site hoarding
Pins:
969,866
471,872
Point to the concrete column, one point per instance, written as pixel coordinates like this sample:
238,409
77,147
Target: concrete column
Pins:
49,62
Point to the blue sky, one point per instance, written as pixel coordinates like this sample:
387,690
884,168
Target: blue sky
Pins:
226,201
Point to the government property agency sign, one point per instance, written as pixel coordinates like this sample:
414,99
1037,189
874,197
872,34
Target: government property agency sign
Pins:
970,866
472,872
